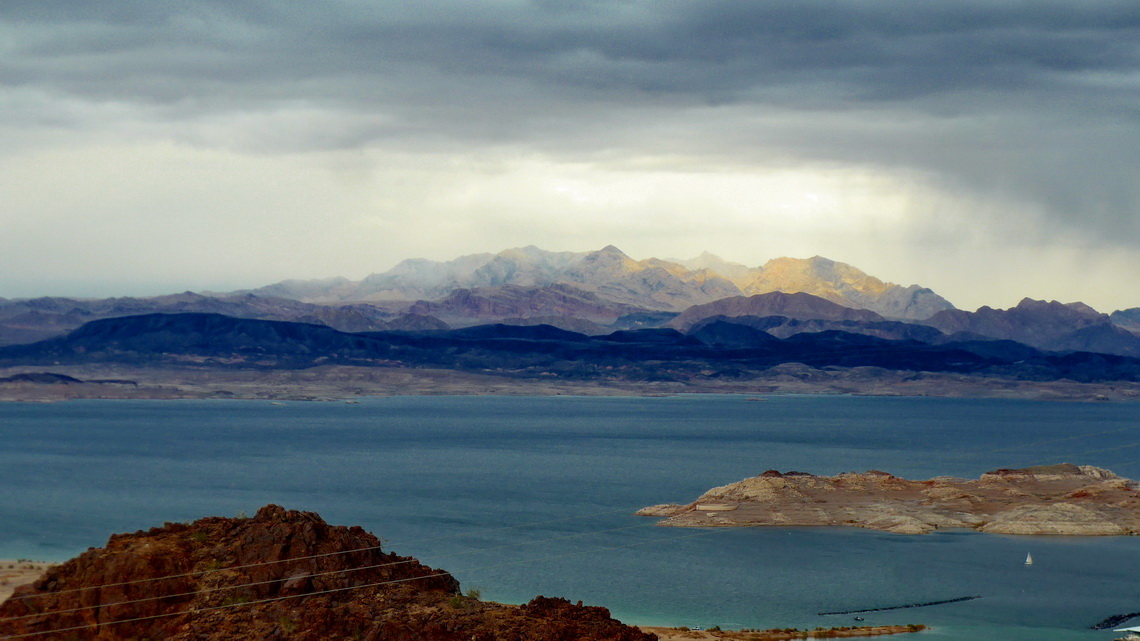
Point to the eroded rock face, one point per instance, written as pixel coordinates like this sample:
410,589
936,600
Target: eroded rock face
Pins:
1060,499
279,575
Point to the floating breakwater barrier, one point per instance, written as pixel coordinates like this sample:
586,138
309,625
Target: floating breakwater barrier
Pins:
903,607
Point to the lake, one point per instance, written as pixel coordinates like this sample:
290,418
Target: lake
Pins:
520,496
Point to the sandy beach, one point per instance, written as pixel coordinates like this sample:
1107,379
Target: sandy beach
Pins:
16,573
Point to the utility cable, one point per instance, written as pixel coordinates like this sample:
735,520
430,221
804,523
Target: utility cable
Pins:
329,554
360,587
331,572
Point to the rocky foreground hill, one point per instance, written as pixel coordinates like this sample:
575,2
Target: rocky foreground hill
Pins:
1046,500
279,575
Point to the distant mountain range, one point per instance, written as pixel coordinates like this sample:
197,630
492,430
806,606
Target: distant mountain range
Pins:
1053,326
716,349
603,301
619,281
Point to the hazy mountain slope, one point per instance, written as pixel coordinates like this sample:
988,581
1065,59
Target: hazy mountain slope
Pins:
568,323
485,304
798,306
526,266
837,282
843,284
418,278
738,273
1045,325
205,339
1129,319
415,323
422,279
324,289
652,283
24,321
1103,339
717,332
783,327
1040,319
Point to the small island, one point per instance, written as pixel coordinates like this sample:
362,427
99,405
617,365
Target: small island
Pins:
1061,499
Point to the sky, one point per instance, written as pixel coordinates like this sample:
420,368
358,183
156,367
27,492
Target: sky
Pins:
987,150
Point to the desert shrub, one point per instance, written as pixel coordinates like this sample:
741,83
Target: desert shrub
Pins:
236,599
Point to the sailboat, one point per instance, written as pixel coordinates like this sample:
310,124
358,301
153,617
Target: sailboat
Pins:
1028,558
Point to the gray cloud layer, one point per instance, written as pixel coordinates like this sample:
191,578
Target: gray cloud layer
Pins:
1036,103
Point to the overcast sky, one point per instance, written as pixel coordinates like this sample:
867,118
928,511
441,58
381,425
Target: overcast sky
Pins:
988,150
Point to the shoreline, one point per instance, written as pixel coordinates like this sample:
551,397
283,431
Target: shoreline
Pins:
17,572
344,383
777,634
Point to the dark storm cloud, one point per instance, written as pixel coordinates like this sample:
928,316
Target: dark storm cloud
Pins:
1033,101
859,51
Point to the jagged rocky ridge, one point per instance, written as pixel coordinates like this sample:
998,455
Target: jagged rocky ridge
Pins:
614,277
1060,499
279,575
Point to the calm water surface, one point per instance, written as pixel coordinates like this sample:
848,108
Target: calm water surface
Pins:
526,496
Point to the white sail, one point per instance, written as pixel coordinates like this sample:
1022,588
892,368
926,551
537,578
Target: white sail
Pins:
1028,559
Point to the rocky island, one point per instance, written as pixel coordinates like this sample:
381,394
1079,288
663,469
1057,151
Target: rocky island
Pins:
1061,499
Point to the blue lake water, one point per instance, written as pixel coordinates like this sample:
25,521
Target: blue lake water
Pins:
525,496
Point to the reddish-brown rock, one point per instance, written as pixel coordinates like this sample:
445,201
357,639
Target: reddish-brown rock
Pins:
279,575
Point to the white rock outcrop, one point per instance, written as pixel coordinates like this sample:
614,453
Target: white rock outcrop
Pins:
1060,499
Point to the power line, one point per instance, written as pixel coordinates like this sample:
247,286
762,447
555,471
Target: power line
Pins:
182,594
329,554
222,607
256,583
360,587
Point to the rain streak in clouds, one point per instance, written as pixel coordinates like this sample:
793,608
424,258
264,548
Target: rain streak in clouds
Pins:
987,150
